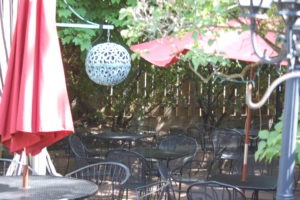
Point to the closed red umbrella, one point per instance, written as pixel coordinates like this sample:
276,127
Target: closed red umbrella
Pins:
35,110
233,44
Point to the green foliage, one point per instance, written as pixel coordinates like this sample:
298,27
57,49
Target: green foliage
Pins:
98,11
269,146
136,101
95,104
152,19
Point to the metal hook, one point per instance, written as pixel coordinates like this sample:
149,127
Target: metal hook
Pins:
263,56
267,94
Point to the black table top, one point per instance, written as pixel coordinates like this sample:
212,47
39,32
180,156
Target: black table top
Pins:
160,154
126,136
45,187
265,183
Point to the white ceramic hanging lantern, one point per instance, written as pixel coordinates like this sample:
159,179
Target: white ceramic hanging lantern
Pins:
108,64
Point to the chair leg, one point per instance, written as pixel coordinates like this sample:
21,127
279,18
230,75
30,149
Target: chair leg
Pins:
170,192
126,194
179,192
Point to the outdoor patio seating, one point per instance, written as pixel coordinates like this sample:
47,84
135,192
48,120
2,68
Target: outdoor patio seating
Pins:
194,171
231,142
138,167
109,176
179,143
212,190
82,154
191,172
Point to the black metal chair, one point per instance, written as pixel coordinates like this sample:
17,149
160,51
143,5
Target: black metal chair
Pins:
198,134
179,143
212,190
194,171
153,191
207,135
231,142
83,156
189,173
137,165
109,176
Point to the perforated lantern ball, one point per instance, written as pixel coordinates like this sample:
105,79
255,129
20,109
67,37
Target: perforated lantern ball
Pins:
107,64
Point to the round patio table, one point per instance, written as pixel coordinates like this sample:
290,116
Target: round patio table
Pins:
123,136
255,183
45,187
160,154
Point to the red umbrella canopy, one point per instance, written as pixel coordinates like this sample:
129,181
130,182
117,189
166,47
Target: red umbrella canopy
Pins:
35,110
233,44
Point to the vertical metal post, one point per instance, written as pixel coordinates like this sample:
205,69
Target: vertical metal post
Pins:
285,183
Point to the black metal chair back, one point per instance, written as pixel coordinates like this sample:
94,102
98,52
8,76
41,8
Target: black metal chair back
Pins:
229,139
83,156
136,163
212,190
109,176
207,134
231,143
198,134
179,143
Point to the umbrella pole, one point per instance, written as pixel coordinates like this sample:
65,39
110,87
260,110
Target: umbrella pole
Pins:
25,171
247,129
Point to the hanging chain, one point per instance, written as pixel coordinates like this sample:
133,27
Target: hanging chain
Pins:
108,35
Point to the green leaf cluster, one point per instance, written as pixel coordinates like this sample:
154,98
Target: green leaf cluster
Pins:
269,146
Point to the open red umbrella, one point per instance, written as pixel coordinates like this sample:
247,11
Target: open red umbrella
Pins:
35,110
233,44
